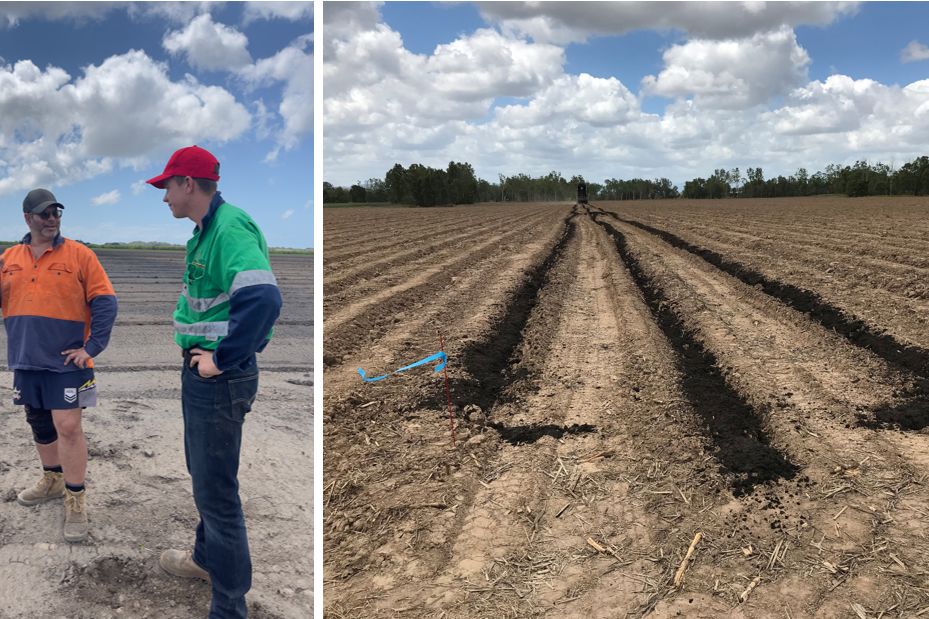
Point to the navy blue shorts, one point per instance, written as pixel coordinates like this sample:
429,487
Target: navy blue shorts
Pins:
55,390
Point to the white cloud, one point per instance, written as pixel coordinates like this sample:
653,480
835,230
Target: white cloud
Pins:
840,104
139,186
209,45
376,88
286,214
125,110
292,66
566,22
914,52
344,20
291,11
486,64
176,12
110,197
308,205
732,73
575,98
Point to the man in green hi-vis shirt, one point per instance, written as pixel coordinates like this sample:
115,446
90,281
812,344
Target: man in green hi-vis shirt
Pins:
225,314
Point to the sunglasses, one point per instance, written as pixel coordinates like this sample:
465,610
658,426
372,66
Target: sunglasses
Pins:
49,213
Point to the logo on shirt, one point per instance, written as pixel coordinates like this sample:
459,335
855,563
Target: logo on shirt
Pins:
70,395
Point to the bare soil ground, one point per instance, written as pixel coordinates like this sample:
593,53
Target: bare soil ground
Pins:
625,377
139,494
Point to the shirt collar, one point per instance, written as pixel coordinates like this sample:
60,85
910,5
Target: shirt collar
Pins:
214,204
55,243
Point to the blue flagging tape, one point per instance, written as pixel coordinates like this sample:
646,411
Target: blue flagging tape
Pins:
436,357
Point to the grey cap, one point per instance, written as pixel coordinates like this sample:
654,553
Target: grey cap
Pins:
38,200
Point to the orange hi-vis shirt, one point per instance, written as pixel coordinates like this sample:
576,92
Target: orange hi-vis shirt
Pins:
61,301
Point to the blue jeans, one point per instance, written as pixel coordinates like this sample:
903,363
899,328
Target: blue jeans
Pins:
214,410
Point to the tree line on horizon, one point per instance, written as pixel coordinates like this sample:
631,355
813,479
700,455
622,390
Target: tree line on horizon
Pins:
457,184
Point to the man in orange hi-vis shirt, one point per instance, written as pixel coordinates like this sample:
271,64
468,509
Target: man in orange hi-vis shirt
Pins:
58,310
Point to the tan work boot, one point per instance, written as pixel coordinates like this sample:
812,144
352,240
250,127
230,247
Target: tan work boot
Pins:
77,524
51,486
181,563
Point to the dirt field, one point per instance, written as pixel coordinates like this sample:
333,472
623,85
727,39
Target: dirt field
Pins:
139,493
626,376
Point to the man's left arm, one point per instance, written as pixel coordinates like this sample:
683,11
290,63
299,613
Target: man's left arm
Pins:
253,309
100,296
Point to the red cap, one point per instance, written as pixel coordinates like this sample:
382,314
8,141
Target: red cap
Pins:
190,161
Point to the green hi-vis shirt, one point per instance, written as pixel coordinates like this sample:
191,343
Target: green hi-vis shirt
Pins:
227,254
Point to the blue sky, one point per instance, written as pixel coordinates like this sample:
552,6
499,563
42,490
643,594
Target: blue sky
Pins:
95,96
623,89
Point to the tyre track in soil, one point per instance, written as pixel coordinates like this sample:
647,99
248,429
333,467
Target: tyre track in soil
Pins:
415,254
465,309
767,353
392,240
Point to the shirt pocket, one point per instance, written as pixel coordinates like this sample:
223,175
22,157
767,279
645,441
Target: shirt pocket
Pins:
61,283
10,277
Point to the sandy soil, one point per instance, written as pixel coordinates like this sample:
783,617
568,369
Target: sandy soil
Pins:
139,494
626,376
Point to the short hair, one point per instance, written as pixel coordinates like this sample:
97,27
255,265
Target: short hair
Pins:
206,185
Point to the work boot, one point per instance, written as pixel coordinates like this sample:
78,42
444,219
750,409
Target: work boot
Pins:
181,563
51,486
77,524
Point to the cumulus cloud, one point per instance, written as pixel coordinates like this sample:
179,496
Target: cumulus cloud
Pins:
291,11
292,66
209,46
373,81
54,128
345,19
174,12
732,73
601,102
914,52
839,104
567,22
110,197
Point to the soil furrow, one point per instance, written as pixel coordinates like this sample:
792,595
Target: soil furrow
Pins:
361,322
744,449
419,255
912,358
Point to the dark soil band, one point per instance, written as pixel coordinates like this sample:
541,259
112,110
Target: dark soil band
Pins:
487,362
743,449
912,358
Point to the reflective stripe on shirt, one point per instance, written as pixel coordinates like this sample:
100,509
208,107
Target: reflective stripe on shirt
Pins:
205,329
252,278
242,279
202,305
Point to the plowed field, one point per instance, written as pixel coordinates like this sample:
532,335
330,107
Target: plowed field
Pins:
626,376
